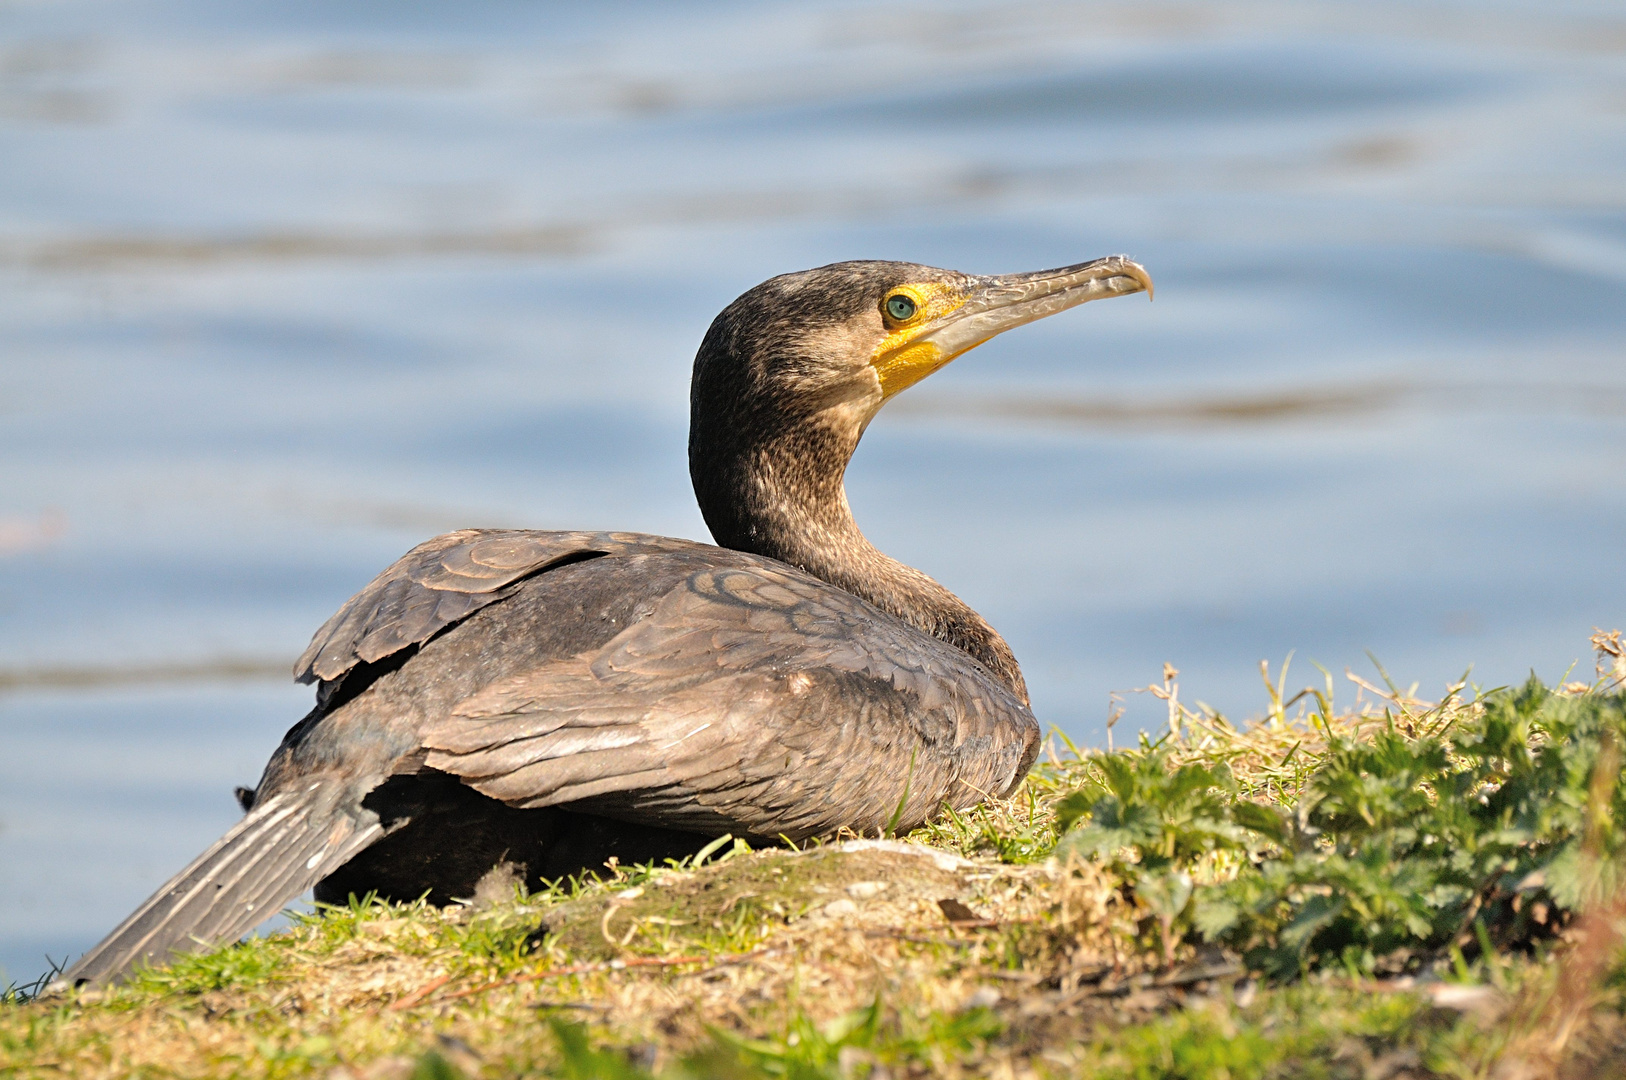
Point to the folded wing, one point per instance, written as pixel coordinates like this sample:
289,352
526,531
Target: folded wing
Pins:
753,698
440,582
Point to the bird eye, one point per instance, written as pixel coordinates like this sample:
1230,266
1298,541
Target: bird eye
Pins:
900,307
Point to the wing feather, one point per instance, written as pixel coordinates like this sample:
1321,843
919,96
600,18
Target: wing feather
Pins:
443,581
752,698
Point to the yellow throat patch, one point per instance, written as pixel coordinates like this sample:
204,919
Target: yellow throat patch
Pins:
902,359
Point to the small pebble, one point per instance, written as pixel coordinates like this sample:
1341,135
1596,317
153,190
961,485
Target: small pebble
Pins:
838,909
983,997
866,890
1486,1001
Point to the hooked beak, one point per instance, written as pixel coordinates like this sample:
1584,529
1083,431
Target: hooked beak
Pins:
994,305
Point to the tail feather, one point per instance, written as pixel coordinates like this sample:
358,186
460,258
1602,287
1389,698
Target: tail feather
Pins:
281,848
254,881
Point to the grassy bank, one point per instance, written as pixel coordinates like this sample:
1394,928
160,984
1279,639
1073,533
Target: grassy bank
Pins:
1394,888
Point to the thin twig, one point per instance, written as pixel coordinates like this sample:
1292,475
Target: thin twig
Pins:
916,939
583,969
420,993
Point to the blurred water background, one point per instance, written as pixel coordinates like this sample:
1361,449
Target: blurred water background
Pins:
286,288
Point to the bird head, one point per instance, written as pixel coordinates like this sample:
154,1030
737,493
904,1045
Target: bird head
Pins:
791,373
849,336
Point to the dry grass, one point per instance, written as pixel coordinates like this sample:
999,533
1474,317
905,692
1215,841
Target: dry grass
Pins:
970,950
743,943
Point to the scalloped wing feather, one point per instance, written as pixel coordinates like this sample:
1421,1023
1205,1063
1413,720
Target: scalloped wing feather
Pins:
443,581
750,698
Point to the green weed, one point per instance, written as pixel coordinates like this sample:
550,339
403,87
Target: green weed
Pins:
1488,833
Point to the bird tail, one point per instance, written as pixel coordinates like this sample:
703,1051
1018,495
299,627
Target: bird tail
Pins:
281,848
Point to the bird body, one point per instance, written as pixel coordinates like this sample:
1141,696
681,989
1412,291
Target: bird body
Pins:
545,700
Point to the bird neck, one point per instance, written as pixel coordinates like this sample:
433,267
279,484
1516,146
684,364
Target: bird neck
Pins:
784,498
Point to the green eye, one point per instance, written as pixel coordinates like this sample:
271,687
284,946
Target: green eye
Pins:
900,308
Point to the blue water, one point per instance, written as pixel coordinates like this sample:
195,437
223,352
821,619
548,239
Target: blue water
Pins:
286,288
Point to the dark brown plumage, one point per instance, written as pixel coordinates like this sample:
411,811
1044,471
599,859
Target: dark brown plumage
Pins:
550,699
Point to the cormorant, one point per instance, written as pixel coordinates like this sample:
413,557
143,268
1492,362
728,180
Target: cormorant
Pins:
548,699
